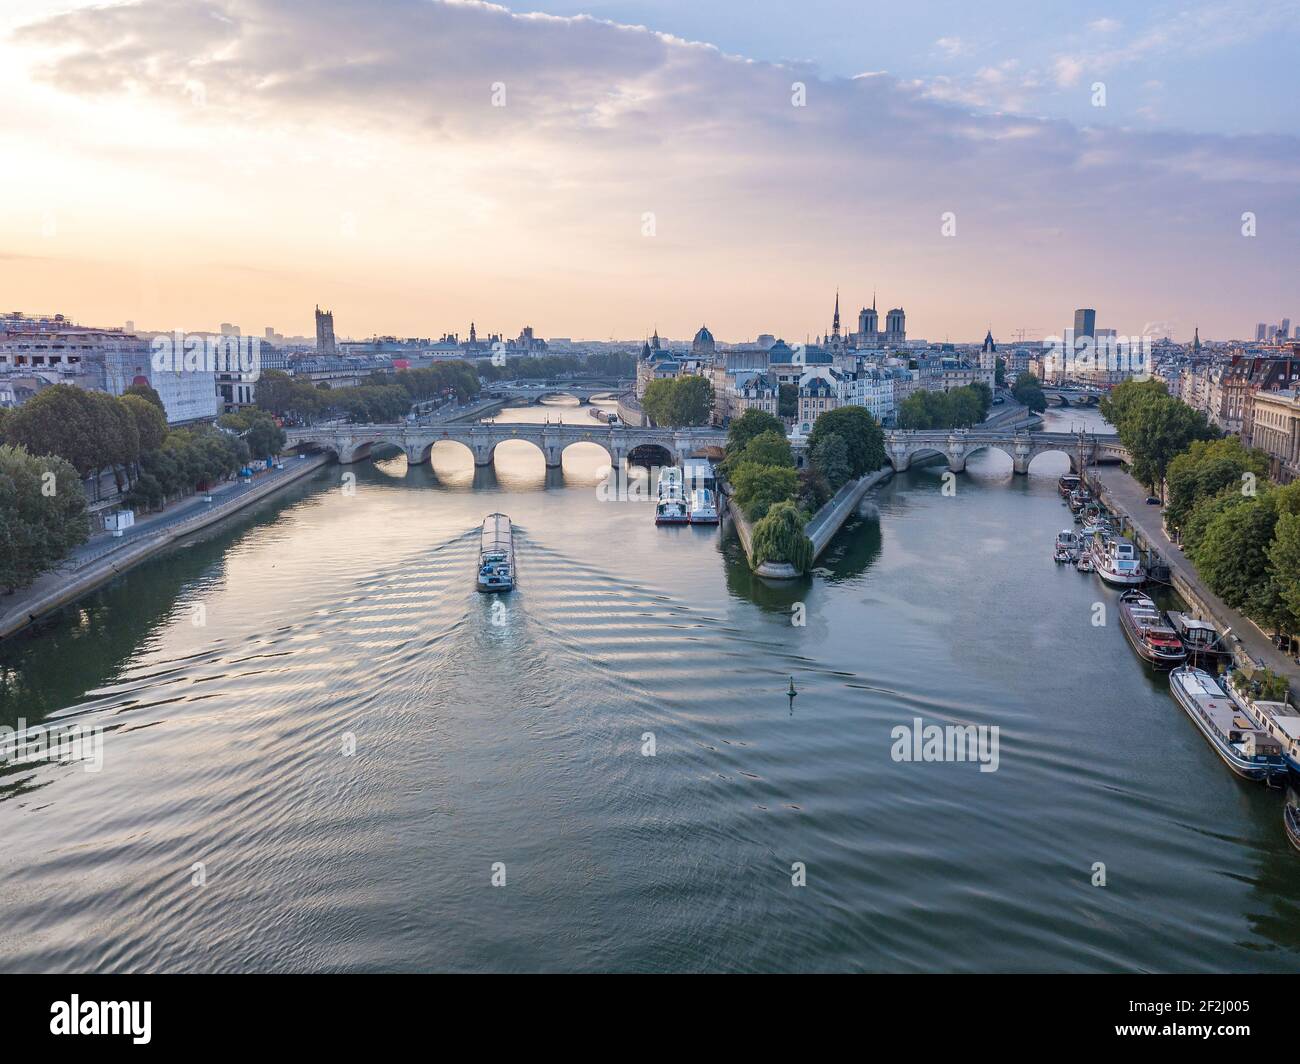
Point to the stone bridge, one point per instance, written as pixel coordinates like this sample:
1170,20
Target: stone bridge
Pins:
353,443
1072,396
957,445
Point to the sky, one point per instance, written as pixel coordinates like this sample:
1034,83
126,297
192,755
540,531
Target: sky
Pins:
602,169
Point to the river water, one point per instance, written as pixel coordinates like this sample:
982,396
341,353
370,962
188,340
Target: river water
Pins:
318,745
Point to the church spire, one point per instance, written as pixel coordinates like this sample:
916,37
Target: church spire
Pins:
835,323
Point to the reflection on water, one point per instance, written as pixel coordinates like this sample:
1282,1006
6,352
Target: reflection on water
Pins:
333,619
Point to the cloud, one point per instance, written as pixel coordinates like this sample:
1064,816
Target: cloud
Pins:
1104,25
602,122
952,46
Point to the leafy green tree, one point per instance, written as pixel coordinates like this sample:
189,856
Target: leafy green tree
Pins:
150,422
923,410
788,400
814,489
1206,468
768,448
1000,372
966,407
257,429
150,396
861,433
1156,429
42,515
751,423
830,457
758,488
1028,392
779,537
679,402
58,421
1284,558
1116,405
1232,554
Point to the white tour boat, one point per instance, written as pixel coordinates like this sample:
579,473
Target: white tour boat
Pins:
704,507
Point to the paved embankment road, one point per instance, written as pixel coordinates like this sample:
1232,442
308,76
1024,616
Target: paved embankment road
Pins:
105,556
1124,494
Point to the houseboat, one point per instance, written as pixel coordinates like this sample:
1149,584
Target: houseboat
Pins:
1280,719
1068,483
496,554
1204,645
1149,632
703,509
1116,561
1291,821
1084,564
1236,738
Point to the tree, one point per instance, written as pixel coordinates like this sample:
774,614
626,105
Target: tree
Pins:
1000,372
679,402
814,490
150,422
751,423
1124,397
830,457
1206,468
758,488
1232,555
57,421
779,537
1028,392
788,401
768,448
42,514
1284,558
257,429
923,410
862,436
147,393
1156,429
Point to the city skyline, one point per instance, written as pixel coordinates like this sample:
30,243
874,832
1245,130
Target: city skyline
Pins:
186,163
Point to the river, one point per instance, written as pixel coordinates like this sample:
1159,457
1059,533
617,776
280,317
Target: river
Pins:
320,749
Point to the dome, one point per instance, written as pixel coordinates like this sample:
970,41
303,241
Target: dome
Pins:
703,342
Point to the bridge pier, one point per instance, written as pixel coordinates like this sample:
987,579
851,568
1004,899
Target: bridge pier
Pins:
483,453
1022,455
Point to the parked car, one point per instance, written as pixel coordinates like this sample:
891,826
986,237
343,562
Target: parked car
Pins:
1152,501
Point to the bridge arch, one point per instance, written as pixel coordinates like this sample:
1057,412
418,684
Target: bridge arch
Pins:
977,448
363,448
1070,457
593,442
651,454
425,452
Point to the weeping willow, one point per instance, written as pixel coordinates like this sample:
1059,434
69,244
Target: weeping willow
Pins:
779,537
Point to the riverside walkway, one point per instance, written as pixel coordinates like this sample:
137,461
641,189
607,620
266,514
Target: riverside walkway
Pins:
104,556
1125,496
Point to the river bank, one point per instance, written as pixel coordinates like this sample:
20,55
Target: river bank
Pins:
1252,648
100,562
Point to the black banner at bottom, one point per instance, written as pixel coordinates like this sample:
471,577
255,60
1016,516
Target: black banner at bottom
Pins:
338,1012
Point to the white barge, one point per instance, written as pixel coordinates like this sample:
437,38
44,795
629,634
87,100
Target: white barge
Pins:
496,554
